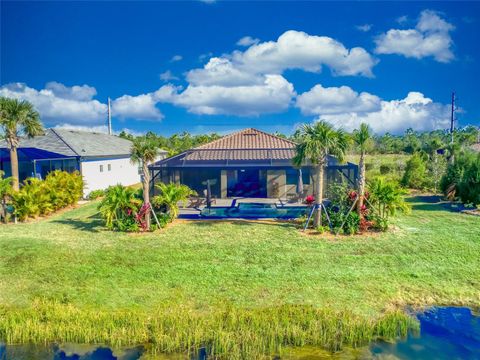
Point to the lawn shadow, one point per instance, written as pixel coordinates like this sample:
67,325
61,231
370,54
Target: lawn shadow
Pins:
91,224
434,203
241,222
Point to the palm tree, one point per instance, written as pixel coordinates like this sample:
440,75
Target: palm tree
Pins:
170,195
144,151
18,117
363,140
316,142
117,202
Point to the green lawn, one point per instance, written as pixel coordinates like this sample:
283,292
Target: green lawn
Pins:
428,257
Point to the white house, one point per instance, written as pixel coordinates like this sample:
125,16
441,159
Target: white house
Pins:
102,159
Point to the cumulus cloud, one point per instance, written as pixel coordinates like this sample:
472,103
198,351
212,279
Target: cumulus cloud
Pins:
402,19
222,72
364,27
299,50
140,107
346,108
247,41
431,37
273,95
58,102
336,100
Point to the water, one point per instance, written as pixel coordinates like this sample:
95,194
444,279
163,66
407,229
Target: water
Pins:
445,333
254,211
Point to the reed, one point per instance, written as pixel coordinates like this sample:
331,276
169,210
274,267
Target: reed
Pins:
226,331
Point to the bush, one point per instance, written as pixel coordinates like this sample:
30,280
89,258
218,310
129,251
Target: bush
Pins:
119,208
415,175
95,194
462,179
386,169
42,197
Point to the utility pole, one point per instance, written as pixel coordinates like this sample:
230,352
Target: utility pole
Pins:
109,124
452,118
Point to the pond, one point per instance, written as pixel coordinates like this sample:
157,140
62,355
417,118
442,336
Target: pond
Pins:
445,333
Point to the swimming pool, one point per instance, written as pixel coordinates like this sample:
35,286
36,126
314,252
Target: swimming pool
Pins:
254,211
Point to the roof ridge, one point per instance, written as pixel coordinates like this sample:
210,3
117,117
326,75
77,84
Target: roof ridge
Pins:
201,147
63,140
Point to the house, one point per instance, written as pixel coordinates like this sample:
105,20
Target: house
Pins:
102,159
247,163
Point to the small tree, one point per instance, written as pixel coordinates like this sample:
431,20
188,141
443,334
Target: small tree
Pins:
5,191
363,140
18,117
415,172
316,142
170,195
144,151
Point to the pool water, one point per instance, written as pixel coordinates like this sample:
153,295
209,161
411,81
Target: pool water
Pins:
445,333
254,211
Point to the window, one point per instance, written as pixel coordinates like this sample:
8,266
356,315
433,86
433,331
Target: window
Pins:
109,167
101,168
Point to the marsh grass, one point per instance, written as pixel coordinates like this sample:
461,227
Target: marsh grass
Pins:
229,332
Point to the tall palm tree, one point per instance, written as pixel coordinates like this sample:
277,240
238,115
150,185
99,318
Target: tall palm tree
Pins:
18,117
363,140
316,142
144,151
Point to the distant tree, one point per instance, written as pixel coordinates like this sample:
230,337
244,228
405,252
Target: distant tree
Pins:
415,172
18,117
315,143
144,151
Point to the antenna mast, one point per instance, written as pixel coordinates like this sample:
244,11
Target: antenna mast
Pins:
452,117
109,118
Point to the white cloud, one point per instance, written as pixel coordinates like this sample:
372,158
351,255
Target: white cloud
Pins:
431,37
222,72
76,92
58,102
167,76
247,41
345,108
364,27
336,100
273,95
299,50
140,107
176,58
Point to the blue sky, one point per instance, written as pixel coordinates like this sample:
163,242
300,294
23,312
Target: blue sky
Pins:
222,66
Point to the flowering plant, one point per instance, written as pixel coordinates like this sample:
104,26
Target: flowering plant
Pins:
309,199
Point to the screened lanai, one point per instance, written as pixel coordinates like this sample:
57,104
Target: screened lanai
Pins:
249,163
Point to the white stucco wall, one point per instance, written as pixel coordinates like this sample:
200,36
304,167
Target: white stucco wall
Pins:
122,171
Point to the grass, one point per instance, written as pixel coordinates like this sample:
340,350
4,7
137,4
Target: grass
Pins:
241,288
373,163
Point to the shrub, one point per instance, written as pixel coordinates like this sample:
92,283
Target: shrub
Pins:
42,197
386,169
415,175
170,195
119,208
462,179
387,198
95,194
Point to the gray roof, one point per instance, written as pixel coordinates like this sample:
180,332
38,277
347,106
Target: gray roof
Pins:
72,143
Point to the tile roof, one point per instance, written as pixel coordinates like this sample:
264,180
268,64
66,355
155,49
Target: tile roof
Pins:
72,143
249,139
248,144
